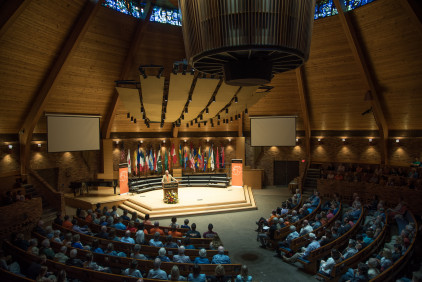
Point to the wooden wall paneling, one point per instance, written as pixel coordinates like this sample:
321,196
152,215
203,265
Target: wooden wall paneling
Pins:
367,75
412,10
41,99
9,12
301,83
127,66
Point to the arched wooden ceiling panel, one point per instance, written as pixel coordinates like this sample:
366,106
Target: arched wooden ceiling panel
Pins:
283,99
88,81
27,50
394,47
335,86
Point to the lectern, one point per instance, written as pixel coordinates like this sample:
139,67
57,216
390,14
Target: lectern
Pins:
171,187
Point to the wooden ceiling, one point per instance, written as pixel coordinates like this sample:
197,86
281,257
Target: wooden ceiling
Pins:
388,31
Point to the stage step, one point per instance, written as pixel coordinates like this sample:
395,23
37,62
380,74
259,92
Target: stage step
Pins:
141,210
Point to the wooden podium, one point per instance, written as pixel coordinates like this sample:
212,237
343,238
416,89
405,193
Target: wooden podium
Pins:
170,187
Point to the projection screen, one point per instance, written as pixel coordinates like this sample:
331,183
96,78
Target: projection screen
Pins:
273,131
67,133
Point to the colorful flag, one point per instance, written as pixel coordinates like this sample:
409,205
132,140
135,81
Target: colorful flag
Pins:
141,160
186,156
200,159
212,164
218,159
222,158
129,165
180,155
159,161
151,160
169,160
135,160
166,160
204,157
155,161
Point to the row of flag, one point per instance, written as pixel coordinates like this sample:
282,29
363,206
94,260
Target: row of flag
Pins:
155,160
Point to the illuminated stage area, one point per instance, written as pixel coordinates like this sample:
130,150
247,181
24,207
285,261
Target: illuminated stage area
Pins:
192,200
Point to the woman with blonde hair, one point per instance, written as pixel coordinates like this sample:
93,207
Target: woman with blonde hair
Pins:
243,276
175,274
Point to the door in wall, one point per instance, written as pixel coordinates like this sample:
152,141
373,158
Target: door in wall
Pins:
285,171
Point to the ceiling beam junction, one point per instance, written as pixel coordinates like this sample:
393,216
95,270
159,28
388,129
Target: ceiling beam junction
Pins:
367,75
300,76
43,95
137,36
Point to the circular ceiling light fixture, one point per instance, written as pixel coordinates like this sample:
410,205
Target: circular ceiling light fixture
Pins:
247,41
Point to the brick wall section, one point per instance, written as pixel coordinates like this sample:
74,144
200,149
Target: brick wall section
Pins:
73,166
265,159
9,159
403,153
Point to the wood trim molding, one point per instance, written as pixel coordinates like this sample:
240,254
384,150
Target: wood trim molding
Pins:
367,75
300,76
9,12
127,66
44,92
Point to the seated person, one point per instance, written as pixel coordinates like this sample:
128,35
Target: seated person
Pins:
169,242
186,224
355,275
162,255
397,253
187,244
76,242
175,274
173,232
127,238
112,235
313,245
219,275
243,276
368,237
286,243
196,274
61,255
209,233
137,253
306,228
20,242
268,234
193,233
174,222
46,249
373,270
40,228
202,259
156,228
386,259
95,247
125,216
181,257
90,264
131,227
103,233
132,270
317,223
73,261
119,225
155,242
326,266
79,229
220,258
350,250
156,272
110,250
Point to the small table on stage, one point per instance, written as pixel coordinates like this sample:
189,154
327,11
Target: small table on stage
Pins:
170,187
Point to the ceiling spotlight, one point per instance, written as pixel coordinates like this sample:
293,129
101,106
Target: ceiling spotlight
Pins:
199,125
160,72
144,116
131,119
235,117
142,141
227,110
186,110
117,142
165,98
213,98
192,71
207,111
190,98
235,99
128,115
246,111
319,139
134,120
164,141
218,117
183,116
231,119
187,125
142,109
185,67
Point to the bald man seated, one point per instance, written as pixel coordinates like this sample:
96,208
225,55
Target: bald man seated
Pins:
167,178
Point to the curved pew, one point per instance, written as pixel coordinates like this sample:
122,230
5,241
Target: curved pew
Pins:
10,276
390,273
71,271
311,262
302,240
197,242
363,255
283,232
127,248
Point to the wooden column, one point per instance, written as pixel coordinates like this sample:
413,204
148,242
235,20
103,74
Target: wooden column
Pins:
300,76
107,146
240,148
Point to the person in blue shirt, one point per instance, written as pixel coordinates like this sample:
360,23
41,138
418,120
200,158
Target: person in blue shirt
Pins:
119,225
162,255
132,270
76,243
312,246
220,258
155,242
95,247
112,235
187,244
196,275
156,272
181,257
124,216
243,276
186,224
169,243
368,238
202,259
127,238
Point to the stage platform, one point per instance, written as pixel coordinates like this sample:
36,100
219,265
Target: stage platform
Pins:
192,201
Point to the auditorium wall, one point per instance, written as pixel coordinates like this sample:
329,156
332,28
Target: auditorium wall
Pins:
264,158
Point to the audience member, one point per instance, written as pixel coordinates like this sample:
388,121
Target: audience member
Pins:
61,256
162,255
210,233
73,261
175,274
181,257
155,242
156,228
132,270
220,258
202,259
186,224
156,272
243,276
196,275
137,253
127,238
193,233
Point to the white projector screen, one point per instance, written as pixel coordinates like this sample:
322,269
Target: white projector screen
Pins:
273,131
73,133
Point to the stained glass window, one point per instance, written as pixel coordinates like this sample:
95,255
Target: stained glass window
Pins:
326,8
161,15
135,8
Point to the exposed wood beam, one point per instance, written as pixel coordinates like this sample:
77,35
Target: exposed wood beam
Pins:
300,76
240,126
410,8
44,92
127,67
367,75
9,12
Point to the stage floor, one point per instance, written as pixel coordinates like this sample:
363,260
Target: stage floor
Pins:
192,200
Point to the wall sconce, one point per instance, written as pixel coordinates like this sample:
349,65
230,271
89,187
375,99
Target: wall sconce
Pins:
10,146
230,140
186,140
208,140
142,141
39,145
397,141
297,140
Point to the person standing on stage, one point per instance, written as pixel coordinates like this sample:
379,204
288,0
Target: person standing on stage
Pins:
167,178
